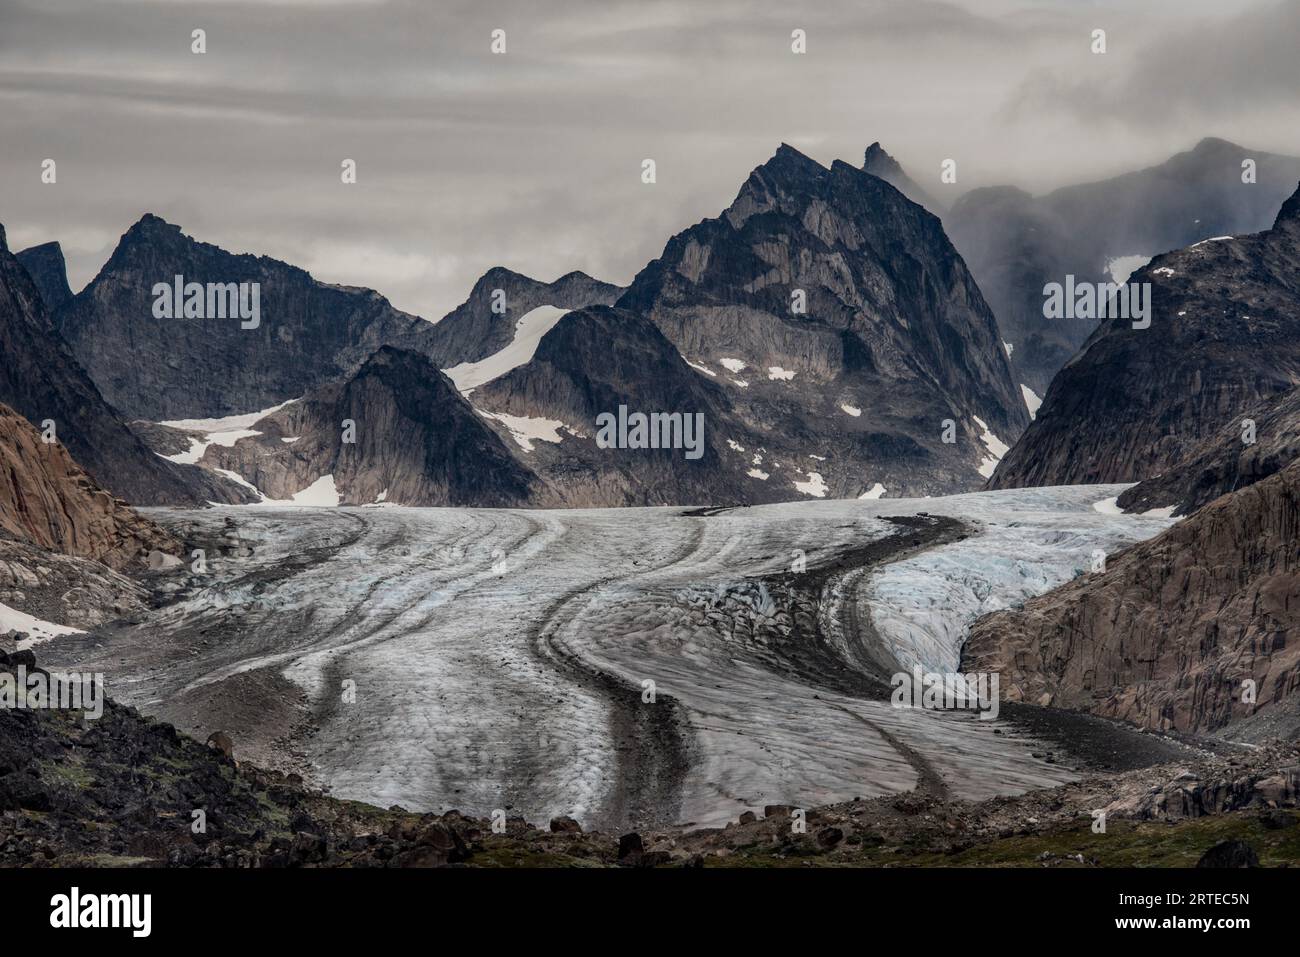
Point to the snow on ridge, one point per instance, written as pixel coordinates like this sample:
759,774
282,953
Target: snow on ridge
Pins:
225,431
529,330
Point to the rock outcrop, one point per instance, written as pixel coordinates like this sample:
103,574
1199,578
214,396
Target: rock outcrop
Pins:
1190,631
1016,243
1224,338
48,500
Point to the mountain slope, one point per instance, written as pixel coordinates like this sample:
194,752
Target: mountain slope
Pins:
593,361
894,340
1016,243
41,380
1224,462
417,442
1166,636
1224,338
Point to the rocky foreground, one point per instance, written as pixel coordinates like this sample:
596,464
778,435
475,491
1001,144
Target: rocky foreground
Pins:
124,791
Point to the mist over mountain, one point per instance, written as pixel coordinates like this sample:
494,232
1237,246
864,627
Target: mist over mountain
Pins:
1016,243
1224,337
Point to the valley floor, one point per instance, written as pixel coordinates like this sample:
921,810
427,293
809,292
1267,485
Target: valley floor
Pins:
629,668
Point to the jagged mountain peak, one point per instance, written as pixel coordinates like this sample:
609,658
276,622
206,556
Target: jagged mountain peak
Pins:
49,270
876,158
4,245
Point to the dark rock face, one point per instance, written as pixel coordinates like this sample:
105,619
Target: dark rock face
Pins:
1016,243
45,264
161,369
1229,854
591,362
473,331
40,379
417,442
894,327
1224,339
1166,636
1224,462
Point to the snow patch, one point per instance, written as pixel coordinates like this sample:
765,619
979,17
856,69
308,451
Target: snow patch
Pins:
732,365
1032,401
815,485
1121,267
876,491
759,474
699,368
525,430
776,372
996,448
852,410
11,619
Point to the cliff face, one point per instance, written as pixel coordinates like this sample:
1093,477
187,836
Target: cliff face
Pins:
1016,243
40,379
46,499
417,442
1224,339
46,266
1167,634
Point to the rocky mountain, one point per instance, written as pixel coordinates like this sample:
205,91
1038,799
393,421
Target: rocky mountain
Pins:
157,357
1016,243
46,266
304,334
414,441
596,360
1168,635
46,499
843,328
485,323
41,380
1224,337
880,164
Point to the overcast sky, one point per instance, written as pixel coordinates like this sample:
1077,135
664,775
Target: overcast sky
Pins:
532,159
